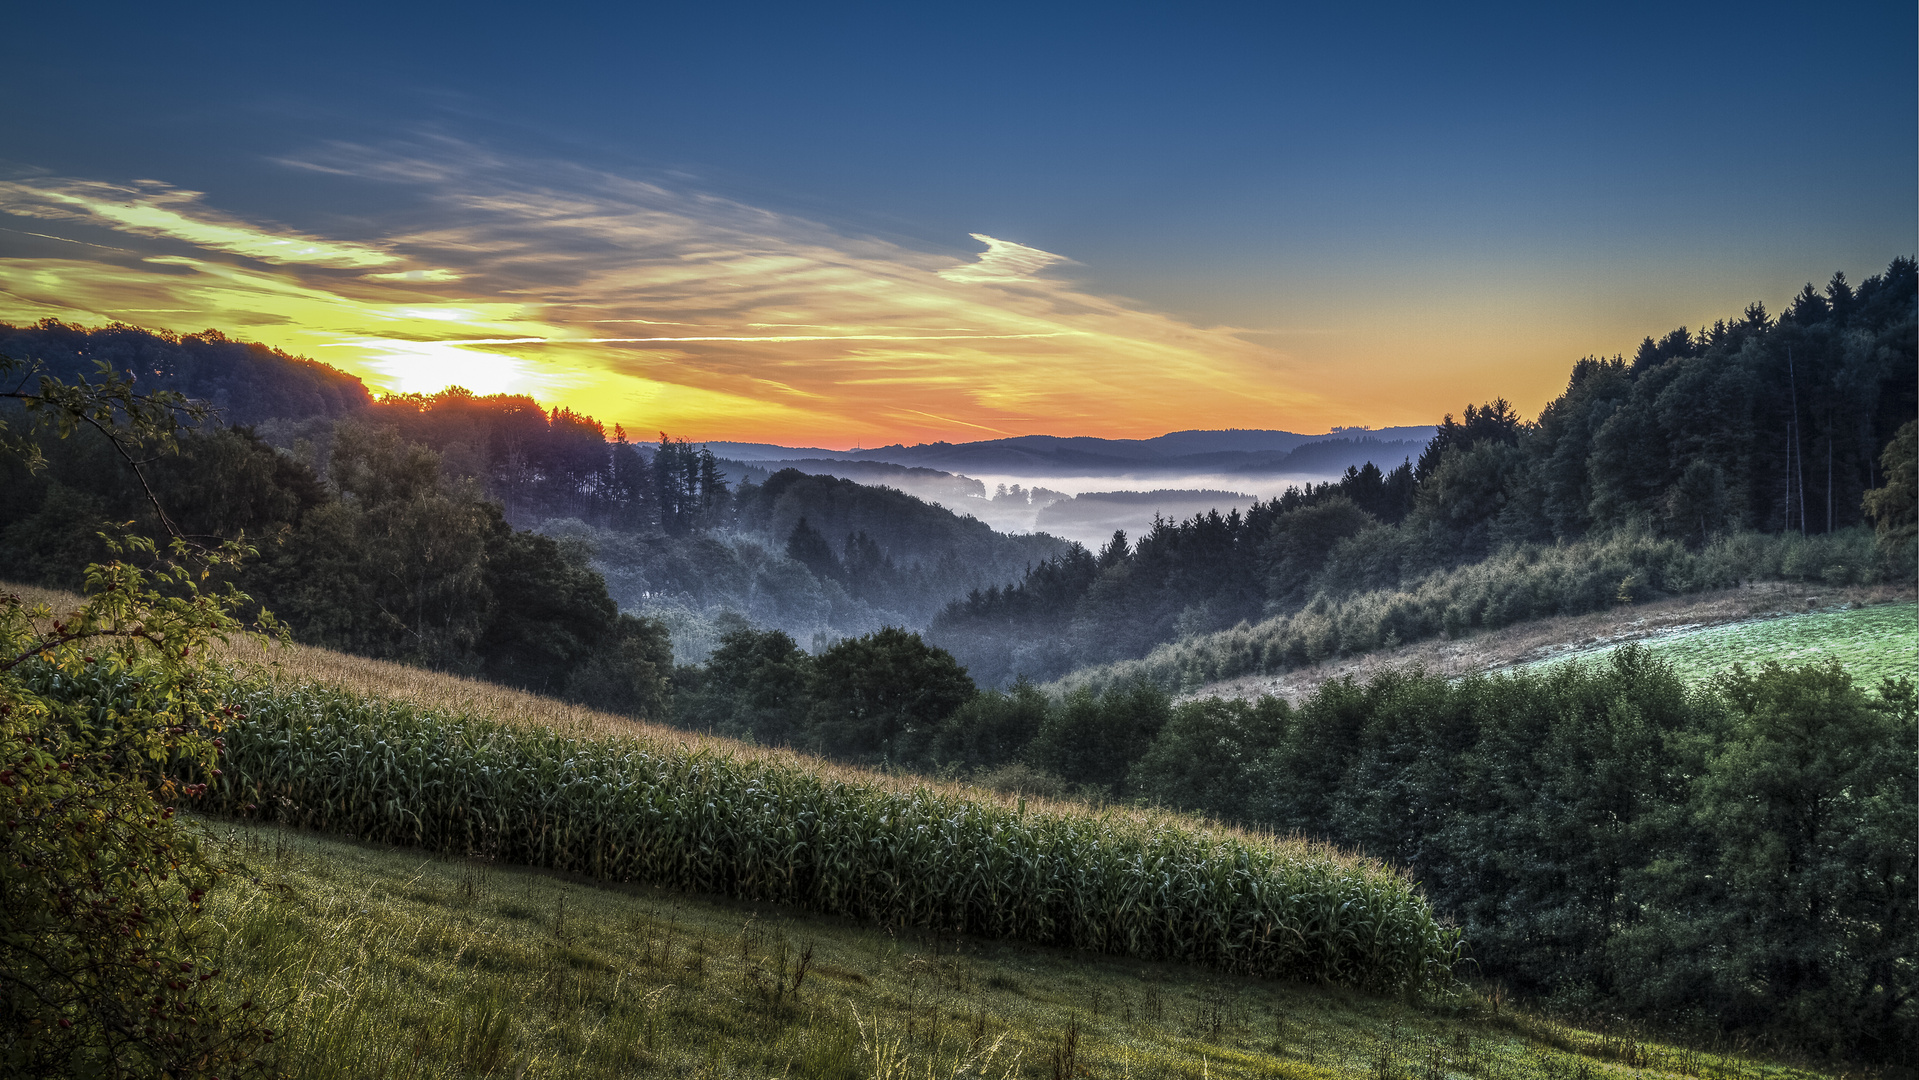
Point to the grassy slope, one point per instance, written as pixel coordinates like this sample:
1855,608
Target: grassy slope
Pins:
394,964
1873,643
1565,636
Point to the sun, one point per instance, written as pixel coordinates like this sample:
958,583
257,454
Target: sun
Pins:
425,367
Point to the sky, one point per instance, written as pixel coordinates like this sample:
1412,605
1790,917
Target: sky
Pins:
845,225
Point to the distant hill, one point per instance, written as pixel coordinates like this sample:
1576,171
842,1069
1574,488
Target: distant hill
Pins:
935,484
1091,517
1180,451
910,530
765,453
1328,456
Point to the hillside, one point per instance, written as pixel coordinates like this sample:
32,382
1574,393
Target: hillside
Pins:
1699,444
512,972
385,752
1522,585
1592,636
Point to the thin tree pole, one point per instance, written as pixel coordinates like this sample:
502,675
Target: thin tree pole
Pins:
1865,446
1787,527
1793,380
1828,478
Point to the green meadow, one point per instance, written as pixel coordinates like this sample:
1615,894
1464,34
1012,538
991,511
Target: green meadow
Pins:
1873,643
389,962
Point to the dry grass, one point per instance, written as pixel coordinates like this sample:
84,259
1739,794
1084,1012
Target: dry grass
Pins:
1539,639
388,962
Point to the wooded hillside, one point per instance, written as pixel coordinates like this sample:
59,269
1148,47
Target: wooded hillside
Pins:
1754,424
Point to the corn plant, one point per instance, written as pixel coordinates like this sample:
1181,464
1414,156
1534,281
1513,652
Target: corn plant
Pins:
771,830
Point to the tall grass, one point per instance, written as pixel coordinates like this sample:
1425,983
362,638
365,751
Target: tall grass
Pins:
1530,581
767,829
385,964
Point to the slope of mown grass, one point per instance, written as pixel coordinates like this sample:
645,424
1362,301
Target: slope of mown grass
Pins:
1873,643
1515,585
386,962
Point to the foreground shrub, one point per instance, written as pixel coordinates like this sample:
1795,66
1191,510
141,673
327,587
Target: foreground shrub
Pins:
101,707
102,972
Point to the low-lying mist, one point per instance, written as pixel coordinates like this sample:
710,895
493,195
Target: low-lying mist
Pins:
1087,509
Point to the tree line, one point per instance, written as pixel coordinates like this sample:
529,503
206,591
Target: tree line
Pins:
384,556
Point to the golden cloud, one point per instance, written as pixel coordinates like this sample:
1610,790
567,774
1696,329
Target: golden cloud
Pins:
154,210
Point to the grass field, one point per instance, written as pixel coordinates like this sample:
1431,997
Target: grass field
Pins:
1873,643
389,963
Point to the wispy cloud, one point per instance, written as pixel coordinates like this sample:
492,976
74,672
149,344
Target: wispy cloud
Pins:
153,209
1003,261
781,328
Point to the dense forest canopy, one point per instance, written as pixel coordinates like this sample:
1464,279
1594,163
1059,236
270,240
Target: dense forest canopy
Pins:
247,383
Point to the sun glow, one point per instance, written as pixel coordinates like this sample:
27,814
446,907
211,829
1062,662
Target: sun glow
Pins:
424,367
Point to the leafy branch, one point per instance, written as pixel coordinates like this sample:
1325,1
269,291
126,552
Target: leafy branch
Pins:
139,425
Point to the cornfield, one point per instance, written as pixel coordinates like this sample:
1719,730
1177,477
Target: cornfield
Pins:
768,829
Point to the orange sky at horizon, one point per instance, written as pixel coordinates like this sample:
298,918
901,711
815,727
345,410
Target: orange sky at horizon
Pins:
709,319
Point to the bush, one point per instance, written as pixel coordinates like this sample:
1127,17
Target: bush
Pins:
102,709
103,712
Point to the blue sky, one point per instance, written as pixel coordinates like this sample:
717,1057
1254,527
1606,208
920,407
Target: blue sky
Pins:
1281,217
